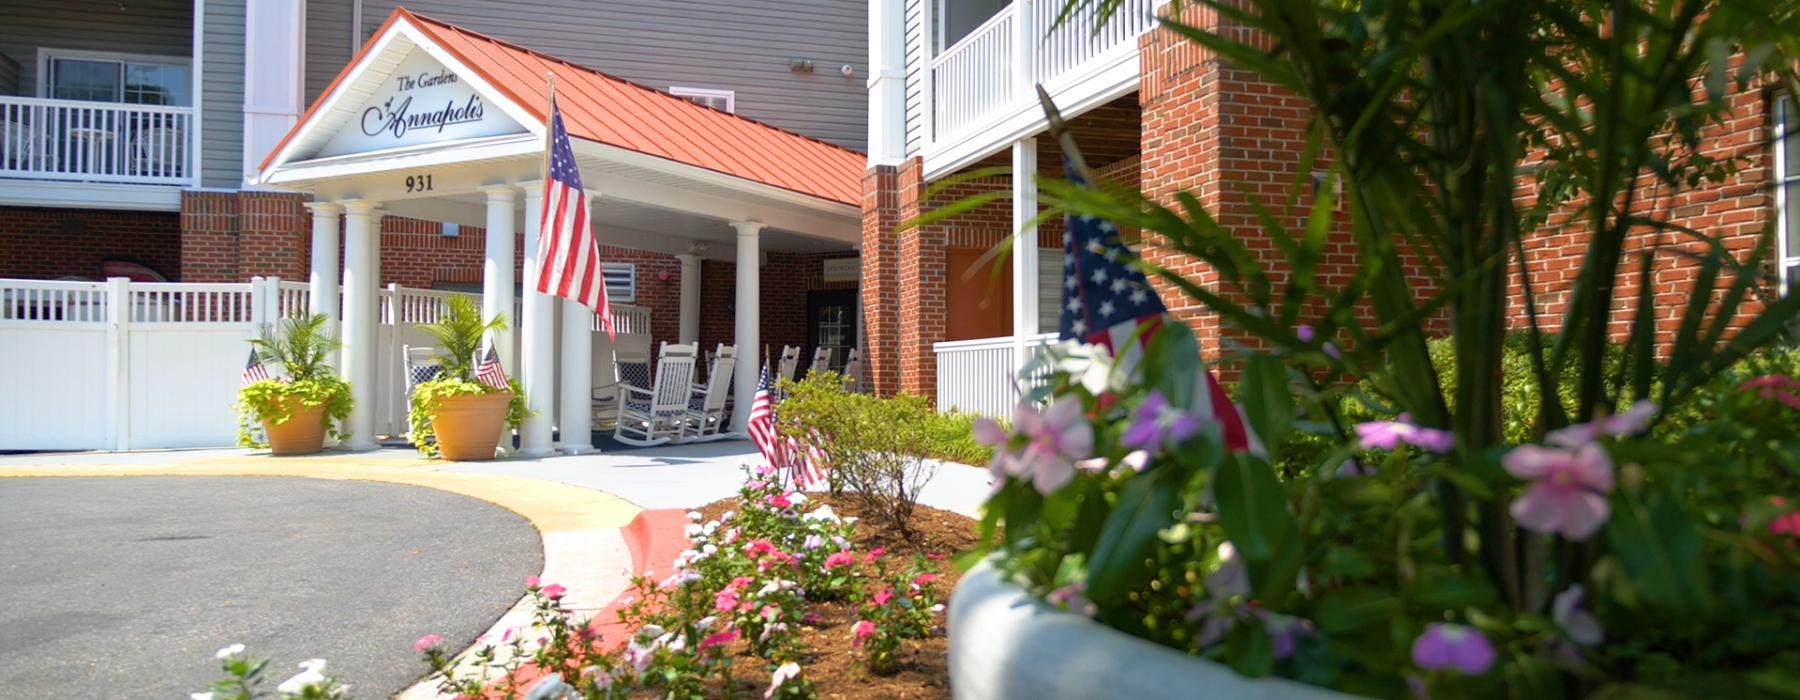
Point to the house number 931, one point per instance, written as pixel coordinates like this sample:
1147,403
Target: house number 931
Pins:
418,183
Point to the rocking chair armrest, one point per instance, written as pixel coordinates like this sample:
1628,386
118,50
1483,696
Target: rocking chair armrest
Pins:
630,389
605,392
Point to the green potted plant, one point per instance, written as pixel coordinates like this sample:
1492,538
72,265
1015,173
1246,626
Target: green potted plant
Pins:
295,412
454,416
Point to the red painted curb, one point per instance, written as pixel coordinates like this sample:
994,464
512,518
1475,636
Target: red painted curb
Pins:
655,538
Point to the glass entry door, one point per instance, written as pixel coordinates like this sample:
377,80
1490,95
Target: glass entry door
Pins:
831,323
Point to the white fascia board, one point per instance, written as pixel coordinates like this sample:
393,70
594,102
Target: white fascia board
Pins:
78,195
390,43
406,157
1109,77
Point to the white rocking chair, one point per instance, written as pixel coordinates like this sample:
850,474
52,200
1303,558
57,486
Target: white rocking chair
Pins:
655,416
853,370
631,365
789,363
821,361
706,405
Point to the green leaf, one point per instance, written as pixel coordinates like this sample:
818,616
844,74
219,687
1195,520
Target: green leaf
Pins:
1146,505
1268,402
1253,508
1659,548
1352,609
1172,365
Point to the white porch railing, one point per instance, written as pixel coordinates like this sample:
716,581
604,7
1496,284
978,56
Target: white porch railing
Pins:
998,65
977,375
43,139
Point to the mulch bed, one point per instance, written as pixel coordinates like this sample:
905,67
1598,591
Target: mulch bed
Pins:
832,663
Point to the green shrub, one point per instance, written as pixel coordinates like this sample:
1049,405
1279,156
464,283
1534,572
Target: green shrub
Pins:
874,446
459,334
301,347
951,437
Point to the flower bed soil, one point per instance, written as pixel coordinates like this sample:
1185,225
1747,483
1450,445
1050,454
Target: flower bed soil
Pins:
832,663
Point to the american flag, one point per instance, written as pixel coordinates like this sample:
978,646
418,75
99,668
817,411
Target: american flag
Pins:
490,372
1105,300
254,371
807,463
568,256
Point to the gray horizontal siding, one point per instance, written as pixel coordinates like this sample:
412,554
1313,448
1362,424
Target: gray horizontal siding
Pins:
328,44
739,45
151,27
222,101
916,75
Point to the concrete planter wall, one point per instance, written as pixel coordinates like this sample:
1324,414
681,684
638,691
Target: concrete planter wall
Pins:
1006,644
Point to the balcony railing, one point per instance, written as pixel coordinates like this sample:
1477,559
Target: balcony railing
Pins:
974,80
42,139
976,376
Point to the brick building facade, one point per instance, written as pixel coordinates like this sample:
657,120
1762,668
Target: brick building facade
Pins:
1224,135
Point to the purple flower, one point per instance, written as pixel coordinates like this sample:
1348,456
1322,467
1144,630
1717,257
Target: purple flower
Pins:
1567,495
1305,334
1352,468
1445,646
1285,632
1390,434
1631,422
1157,423
1069,598
1580,625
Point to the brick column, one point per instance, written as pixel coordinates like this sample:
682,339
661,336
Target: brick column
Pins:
880,279
209,236
273,238
923,282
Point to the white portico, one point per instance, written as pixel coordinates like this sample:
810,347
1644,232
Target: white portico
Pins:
433,122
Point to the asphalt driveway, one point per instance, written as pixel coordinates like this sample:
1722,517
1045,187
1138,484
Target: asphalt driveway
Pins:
123,587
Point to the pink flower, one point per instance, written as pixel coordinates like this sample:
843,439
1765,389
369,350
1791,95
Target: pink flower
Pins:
1389,434
838,559
874,554
883,596
1631,422
758,548
726,636
861,632
554,591
783,674
531,582
1069,598
1568,490
770,612
1444,646
780,501
1055,439
741,582
427,642
1786,524
924,578
1775,386
725,600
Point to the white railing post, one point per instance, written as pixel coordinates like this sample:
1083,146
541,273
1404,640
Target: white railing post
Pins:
118,400
1025,250
1024,50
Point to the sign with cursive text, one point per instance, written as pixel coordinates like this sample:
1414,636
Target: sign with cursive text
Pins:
420,102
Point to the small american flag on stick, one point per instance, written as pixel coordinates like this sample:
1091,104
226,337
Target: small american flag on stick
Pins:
568,256
806,462
254,371
490,372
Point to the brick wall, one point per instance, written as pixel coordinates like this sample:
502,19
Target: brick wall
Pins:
881,279
785,281
40,243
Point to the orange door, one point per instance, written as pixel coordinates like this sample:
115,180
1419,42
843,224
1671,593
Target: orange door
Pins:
980,304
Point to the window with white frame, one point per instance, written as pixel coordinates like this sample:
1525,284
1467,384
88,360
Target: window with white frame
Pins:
722,100
621,282
103,77
1787,189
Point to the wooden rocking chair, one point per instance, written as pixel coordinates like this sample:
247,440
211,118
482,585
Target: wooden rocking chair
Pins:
655,415
821,361
853,370
706,405
789,363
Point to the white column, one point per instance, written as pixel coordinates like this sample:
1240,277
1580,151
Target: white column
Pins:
497,271
537,371
362,267
1024,49
576,418
690,299
1025,249
887,82
322,297
274,75
749,260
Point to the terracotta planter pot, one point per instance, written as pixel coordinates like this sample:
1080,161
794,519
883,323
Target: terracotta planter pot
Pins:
303,433
1006,644
468,427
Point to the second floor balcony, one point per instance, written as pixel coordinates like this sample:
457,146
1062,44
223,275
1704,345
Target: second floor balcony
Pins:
102,142
985,74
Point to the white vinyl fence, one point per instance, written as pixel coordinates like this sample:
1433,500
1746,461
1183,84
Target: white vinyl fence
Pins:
130,365
976,376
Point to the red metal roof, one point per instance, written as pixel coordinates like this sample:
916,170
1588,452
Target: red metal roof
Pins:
609,110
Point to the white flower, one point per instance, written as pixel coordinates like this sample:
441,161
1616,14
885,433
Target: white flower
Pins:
705,622
200,696
824,513
694,516
688,554
693,530
797,498
649,632
782,675
709,549
710,528
727,516
229,652
552,687
312,674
